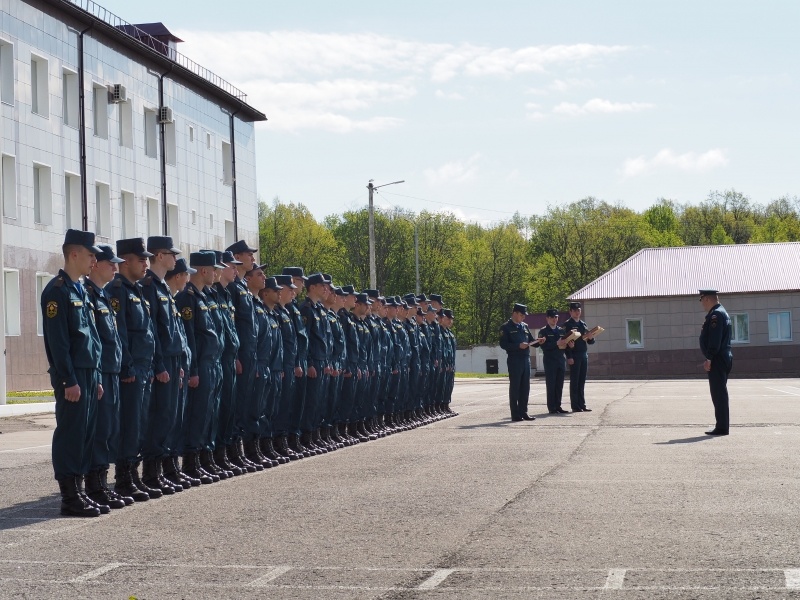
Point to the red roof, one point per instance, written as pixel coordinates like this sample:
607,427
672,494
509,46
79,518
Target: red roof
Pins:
731,269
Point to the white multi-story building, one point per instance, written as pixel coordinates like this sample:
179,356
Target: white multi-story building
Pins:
107,127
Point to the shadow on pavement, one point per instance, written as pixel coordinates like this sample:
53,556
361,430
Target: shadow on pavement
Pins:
691,440
24,514
503,423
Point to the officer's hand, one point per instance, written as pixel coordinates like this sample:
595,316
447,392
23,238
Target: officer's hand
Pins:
570,361
100,391
128,379
238,367
163,377
541,340
707,365
359,373
312,372
523,345
72,393
571,344
282,374
182,373
395,372
298,371
347,374
194,381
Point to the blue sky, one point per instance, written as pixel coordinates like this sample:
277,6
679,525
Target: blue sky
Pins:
489,108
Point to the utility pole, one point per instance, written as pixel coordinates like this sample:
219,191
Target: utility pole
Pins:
416,253
373,277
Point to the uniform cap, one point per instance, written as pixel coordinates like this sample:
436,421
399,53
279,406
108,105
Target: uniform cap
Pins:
273,285
76,237
107,253
294,272
202,259
349,289
327,278
574,305
520,308
161,242
181,267
552,312
411,299
340,292
217,258
448,312
285,281
315,279
371,293
436,298
228,259
708,293
362,298
239,247
132,246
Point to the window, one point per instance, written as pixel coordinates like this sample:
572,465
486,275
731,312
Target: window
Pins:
194,217
173,227
150,133
740,323
40,93
128,215
6,72
73,203
227,164
229,239
42,279
12,304
780,326
153,221
635,333
8,185
100,111
42,195
208,140
170,151
211,220
191,133
69,97
103,208
125,124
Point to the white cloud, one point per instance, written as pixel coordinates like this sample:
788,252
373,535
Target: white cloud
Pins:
318,80
533,112
453,172
599,106
691,162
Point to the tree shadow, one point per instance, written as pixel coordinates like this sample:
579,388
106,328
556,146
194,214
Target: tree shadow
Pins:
690,440
45,508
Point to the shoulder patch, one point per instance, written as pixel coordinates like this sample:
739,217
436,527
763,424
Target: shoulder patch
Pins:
52,309
59,282
148,280
116,282
186,313
115,304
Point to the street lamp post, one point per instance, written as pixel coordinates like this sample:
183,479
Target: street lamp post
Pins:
373,278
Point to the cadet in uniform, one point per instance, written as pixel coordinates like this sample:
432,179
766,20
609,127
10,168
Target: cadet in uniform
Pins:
274,362
715,344
285,404
106,437
301,364
550,340
73,350
137,335
351,371
163,405
450,372
516,339
316,324
577,358
333,301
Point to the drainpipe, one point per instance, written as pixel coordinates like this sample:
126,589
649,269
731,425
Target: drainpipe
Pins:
162,128
233,175
82,132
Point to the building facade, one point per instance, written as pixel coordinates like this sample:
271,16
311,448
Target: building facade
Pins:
109,129
649,308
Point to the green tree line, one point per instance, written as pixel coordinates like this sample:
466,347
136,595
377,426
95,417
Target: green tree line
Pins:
481,270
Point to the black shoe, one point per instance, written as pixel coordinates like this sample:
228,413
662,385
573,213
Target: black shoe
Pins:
577,410
584,409
716,432
527,417
552,412
561,411
515,419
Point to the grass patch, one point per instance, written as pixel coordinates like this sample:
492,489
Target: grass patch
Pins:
28,394
481,375
29,400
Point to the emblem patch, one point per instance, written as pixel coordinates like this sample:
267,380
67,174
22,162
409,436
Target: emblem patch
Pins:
186,313
52,309
115,304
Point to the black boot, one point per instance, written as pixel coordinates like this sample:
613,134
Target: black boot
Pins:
281,446
354,432
163,482
307,439
151,480
269,450
191,466
235,457
103,508
127,500
296,446
183,475
209,466
251,454
99,494
169,467
124,485
137,481
72,503
221,459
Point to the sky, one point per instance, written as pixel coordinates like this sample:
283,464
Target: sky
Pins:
485,109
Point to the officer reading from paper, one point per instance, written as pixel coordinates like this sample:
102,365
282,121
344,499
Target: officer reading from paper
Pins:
516,339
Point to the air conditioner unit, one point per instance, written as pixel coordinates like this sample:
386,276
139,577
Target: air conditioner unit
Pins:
165,115
119,93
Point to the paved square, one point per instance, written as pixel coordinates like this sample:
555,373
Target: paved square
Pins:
628,501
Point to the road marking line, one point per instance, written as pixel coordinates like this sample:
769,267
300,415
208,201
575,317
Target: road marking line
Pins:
271,575
95,573
615,579
792,578
439,575
782,391
28,448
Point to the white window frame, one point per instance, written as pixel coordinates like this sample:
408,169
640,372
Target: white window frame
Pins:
628,343
7,72
12,303
227,164
8,185
735,328
128,214
153,216
40,86
125,124
170,144
779,338
151,132
102,198
100,110
42,194
69,100
173,223
42,279
73,201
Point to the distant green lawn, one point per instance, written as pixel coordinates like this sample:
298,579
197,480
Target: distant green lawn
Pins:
29,397
480,375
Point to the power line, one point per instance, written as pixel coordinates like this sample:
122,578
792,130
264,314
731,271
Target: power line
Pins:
505,212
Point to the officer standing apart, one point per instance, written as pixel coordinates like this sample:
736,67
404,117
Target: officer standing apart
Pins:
516,340
550,340
577,358
715,344
73,350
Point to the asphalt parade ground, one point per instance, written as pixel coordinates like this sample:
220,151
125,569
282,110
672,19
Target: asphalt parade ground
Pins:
628,501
